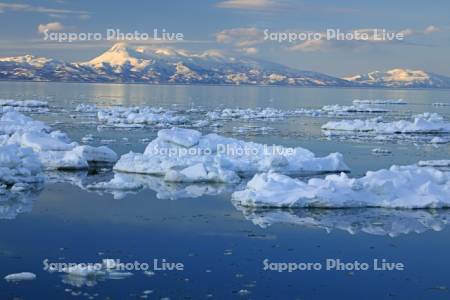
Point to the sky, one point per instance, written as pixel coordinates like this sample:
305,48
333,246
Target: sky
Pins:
243,28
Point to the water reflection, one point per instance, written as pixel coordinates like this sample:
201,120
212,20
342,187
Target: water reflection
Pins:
14,203
374,221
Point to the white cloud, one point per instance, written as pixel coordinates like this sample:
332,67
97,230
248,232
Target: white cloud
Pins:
249,4
4,7
249,51
240,37
52,26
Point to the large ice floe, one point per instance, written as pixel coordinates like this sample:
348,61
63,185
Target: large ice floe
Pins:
185,155
374,221
396,187
425,123
53,149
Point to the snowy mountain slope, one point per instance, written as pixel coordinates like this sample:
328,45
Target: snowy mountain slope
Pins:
122,63
402,78
126,64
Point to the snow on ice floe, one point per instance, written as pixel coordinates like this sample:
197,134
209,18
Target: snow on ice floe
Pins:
139,117
349,109
33,106
20,276
258,113
185,155
373,221
397,187
425,123
440,163
20,169
53,148
380,101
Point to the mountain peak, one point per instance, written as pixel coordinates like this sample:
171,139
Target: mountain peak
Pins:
401,78
120,54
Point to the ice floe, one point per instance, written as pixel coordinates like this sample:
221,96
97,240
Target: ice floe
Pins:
381,151
423,123
53,148
396,187
20,276
379,101
139,117
258,113
20,168
441,163
359,108
373,221
185,155
33,106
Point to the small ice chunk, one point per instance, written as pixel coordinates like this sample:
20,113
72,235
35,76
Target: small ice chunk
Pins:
20,276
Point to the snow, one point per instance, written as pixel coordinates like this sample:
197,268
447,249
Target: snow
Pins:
185,155
53,148
20,276
380,101
439,140
396,187
423,123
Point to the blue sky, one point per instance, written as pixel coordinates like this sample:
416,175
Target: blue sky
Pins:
236,27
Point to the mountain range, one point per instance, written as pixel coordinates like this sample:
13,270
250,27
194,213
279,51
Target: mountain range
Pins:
125,64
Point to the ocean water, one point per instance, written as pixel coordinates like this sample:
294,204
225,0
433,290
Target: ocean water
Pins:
222,247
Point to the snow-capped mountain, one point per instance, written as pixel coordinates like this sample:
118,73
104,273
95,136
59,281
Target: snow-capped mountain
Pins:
123,63
402,78
126,64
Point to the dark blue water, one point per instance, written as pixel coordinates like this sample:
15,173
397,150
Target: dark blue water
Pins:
222,247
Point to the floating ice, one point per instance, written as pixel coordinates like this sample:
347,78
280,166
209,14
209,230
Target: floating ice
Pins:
439,140
435,163
53,148
379,101
258,113
23,105
359,108
397,187
423,123
20,276
184,155
19,168
380,151
139,116
374,221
